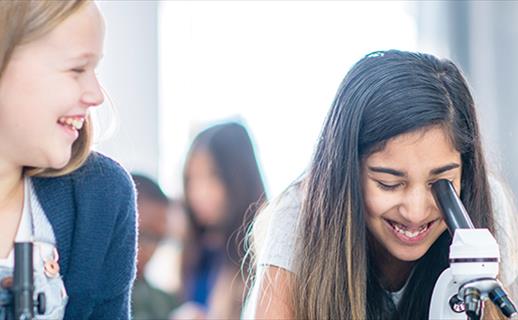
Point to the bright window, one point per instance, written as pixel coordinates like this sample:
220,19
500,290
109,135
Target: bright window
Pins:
274,64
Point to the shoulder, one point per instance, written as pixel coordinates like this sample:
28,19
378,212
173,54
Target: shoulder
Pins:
506,226
101,184
104,189
503,205
104,172
275,229
281,211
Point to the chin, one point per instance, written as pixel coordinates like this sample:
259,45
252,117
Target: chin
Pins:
59,166
409,254
59,162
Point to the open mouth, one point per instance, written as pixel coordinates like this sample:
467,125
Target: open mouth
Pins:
75,122
405,233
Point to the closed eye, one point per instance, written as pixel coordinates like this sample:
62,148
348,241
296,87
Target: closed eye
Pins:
78,70
388,187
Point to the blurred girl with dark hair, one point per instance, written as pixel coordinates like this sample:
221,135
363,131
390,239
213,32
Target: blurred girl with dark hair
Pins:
223,188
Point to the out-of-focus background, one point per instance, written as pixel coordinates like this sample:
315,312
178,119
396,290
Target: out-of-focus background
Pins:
172,68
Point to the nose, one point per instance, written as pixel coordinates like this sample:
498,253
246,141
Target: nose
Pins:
92,95
417,207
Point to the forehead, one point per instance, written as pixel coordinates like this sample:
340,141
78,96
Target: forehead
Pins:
424,149
201,159
80,33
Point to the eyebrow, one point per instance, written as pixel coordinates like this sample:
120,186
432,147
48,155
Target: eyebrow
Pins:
87,56
397,173
438,171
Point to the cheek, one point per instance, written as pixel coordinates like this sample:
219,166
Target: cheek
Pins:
66,94
40,105
377,202
218,196
21,77
208,199
63,87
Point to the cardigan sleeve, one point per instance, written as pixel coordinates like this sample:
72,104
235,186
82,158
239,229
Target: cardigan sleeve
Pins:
103,254
118,268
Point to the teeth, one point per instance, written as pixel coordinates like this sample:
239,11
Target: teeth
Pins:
74,122
407,233
78,124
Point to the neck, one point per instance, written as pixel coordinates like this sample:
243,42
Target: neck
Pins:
213,239
11,182
392,272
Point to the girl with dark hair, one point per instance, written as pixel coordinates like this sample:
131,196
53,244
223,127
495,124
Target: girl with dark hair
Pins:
360,236
223,187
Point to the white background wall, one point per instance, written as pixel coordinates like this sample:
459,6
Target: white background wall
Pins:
274,64
129,74
171,67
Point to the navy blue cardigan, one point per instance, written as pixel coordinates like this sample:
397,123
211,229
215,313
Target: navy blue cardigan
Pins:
92,212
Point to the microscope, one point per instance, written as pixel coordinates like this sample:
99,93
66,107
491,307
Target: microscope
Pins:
17,293
462,289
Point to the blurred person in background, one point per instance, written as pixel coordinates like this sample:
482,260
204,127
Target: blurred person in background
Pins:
149,302
223,188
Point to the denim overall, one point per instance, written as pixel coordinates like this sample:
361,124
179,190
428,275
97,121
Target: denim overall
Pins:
46,269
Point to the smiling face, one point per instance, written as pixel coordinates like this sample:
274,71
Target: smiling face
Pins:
46,90
401,213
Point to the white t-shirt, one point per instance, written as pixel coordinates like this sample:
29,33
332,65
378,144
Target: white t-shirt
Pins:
24,232
275,236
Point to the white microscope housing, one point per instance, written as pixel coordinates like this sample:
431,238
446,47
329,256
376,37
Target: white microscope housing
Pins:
474,254
462,289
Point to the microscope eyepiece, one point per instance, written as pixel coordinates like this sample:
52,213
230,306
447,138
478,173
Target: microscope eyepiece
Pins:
451,207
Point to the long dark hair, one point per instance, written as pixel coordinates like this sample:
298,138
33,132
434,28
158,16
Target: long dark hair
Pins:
384,95
231,149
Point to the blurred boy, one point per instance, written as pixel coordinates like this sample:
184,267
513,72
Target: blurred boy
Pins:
149,302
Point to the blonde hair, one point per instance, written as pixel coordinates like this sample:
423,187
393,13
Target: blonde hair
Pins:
25,21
